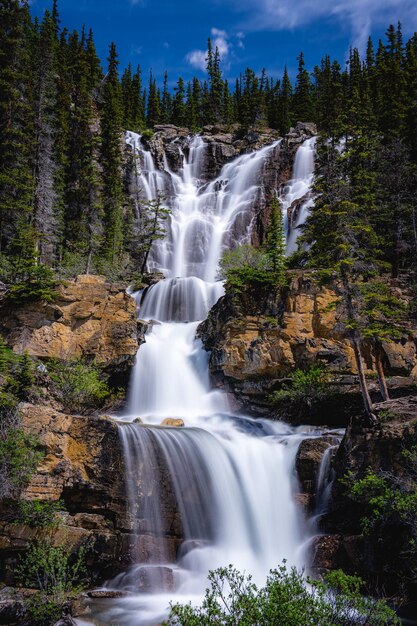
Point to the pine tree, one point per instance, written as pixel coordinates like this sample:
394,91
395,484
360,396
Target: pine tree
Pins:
284,104
214,111
275,241
302,105
179,111
166,102
16,131
111,159
153,215
153,115
46,205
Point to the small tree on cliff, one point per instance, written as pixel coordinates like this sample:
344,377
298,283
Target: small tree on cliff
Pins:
275,241
153,215
382,314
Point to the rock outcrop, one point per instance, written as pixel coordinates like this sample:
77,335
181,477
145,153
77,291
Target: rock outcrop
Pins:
90,319
83,467
374,556
257,339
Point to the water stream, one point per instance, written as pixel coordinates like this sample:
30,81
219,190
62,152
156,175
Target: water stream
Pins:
297,195
224,483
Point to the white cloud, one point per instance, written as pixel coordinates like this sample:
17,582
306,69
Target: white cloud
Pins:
220,40
197,59
357,15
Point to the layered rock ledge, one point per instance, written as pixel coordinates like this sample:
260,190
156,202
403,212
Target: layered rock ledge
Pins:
90,319
257,339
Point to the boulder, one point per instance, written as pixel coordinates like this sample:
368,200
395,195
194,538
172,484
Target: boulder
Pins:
173,422
154,578
309,457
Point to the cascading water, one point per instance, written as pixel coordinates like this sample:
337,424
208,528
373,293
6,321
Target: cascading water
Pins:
299,189
229,477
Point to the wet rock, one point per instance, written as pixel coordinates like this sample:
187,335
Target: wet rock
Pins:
66,618
173,422
189,545
107,593
12,609
308,460
330,552
154,578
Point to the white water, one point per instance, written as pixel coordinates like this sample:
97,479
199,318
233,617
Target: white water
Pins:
231,477
297,188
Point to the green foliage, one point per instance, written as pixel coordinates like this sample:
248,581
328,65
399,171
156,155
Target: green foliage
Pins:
307,387
154,214
32,282
56,571
51,569
19,456
39,513
79,385
382,311
287,599
275,241
245,266
147,133
388,506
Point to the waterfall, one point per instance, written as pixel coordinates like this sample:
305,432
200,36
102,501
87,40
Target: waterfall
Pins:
296,196
221,487
325,479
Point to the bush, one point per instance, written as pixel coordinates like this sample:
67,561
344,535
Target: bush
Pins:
388,513
288,599
307,388
79,385
56,572
35,282
19,456
246,265
39,513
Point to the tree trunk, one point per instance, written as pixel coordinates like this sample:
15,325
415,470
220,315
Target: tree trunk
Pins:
88,264
380,371
353,335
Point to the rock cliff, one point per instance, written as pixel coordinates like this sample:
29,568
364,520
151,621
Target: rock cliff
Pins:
257,339
83,467
381,555
90,319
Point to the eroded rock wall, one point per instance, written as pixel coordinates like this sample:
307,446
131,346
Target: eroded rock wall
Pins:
257,339
90,319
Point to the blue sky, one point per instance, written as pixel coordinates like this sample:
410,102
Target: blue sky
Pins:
172,34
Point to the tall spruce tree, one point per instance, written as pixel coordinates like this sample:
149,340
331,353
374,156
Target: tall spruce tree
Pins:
111,160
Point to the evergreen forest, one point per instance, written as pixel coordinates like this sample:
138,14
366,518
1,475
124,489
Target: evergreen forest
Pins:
64,205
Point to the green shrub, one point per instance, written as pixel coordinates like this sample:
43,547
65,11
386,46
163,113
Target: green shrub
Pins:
148,133
307,387
246,265
35,282
39,513
56,572
19,456
288,599
388,513
79,385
